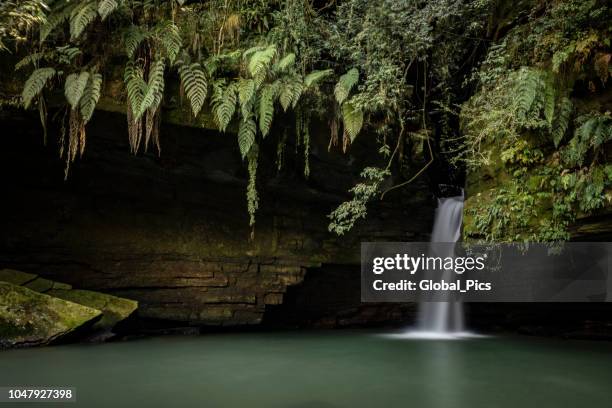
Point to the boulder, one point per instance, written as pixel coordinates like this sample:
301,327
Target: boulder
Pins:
114,309
29,318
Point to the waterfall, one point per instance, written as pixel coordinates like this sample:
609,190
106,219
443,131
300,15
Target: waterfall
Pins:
444,317
442,320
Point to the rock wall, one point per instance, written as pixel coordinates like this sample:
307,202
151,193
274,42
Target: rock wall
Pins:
172,231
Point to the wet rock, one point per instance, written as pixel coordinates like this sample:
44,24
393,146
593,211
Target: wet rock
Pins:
114,309
29,318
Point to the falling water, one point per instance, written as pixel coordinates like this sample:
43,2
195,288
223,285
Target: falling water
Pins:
444,317
442,320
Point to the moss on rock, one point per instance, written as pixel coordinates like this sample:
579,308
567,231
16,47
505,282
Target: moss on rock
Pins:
114,309
29,318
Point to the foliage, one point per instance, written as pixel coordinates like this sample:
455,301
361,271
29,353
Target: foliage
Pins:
528,124
386,69
344,217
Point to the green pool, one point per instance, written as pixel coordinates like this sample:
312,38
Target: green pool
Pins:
320,369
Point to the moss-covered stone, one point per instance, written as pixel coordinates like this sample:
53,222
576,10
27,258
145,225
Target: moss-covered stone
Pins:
16,277
29,318
114,309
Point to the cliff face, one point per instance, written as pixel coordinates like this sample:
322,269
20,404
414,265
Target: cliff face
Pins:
172,231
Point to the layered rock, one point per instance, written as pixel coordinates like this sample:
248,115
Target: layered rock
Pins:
172,231
114,309
30,318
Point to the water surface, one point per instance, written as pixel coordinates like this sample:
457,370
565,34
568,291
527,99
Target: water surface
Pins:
320,369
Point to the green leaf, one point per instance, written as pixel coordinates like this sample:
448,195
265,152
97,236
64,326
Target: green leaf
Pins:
286,62
35,84
562,119
345,84
74,87
80,18
315,76
90,97
195,85
106,7
353,120
246,93
266,108
246,136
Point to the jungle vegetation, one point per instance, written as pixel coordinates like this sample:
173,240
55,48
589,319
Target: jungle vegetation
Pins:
518,89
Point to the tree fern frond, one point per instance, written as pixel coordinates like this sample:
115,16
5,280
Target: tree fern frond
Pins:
135,86
315,76
195,85
562,119
65,54
132,39
80,18
527,91
246,93
353,120
246,135
260,60
290,93
246,54
33,59
155,88
266,109
296,91
224,106
169,36
345,84
35,84
286,62
90,97
56,19
106,7
74,87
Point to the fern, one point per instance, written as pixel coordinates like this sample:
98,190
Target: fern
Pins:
56,19
562,120
266,107
315,76
33,59
155,88
90,97
246,136
80,18
290,93
353,120
170,37
224,104
35,84
549,99
246,92
195,85
74,87
285,63
106,7
132,39
135,86
65,54
260,61
345,84
527,91
593,133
